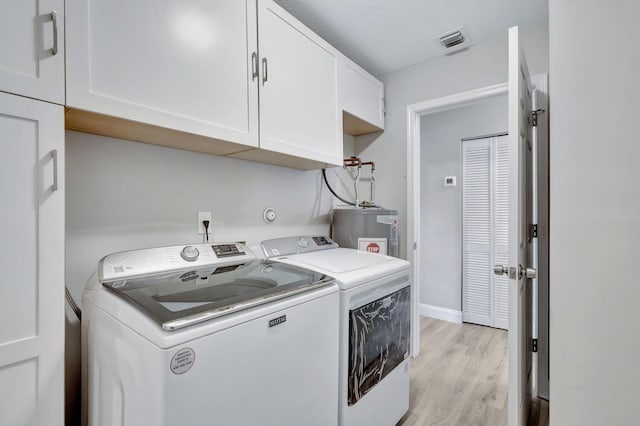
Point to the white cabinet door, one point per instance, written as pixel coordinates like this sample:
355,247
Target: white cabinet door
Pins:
361,94
32,262
32,49
184,65
299,112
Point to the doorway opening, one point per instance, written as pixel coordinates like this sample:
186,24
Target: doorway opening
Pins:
434,300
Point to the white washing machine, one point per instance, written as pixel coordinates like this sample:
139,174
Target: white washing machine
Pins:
208,335
374,325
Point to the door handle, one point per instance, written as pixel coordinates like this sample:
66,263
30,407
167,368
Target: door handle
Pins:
264,71
254,66
500,270
54,20
54,158
530,273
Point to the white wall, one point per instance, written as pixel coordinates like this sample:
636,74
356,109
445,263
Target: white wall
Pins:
124,195
480,66
595,212
441,211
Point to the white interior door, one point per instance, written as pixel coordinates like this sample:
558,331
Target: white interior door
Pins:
501,230
519,209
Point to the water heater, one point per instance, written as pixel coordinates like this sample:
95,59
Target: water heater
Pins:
369,229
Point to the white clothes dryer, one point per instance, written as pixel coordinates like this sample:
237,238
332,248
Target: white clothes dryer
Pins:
208,335
374,325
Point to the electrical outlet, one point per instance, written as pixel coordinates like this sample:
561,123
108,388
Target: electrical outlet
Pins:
204,216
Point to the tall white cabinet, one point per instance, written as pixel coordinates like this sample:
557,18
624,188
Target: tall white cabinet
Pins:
32,49
485,230
32,262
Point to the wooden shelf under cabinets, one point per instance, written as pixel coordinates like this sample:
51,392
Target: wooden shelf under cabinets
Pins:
355,126
99,124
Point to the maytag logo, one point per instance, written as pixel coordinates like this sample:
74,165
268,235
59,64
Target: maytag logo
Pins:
277,321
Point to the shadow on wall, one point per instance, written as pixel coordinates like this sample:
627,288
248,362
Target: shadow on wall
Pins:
363,141
72,372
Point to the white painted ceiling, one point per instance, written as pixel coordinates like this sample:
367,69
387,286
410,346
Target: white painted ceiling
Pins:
387,35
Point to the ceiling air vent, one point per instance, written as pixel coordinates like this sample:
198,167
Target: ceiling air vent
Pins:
454,40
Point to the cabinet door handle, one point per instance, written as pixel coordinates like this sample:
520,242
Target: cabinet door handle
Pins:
254,66
54,20
265,76
54,158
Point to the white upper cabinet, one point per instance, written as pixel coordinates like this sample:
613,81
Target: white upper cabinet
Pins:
186,66
32,49
361,98
299,113
240,78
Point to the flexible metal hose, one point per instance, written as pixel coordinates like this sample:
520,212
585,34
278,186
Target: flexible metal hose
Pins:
324,174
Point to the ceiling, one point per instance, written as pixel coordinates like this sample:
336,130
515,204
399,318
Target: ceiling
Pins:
387,35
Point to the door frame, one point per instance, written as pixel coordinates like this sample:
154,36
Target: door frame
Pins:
414,112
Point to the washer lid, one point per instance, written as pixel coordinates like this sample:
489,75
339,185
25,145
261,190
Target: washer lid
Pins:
182,298
340,260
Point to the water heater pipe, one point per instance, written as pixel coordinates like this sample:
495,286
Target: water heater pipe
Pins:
355,162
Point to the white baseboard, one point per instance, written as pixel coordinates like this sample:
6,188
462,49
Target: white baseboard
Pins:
437,312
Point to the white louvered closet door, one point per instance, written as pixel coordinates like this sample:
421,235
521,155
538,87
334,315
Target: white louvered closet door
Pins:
485,225
477,292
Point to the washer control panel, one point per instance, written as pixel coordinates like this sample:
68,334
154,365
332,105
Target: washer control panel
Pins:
227,250
134,263
322,241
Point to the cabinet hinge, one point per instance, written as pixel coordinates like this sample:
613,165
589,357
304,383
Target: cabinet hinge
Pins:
534,345
415,246
384,107
533,230
533,117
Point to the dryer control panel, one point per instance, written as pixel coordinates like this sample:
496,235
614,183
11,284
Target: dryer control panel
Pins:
296,245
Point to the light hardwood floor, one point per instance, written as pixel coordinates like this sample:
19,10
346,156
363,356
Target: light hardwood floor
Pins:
460,378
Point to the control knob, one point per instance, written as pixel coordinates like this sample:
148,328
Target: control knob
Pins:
190,253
